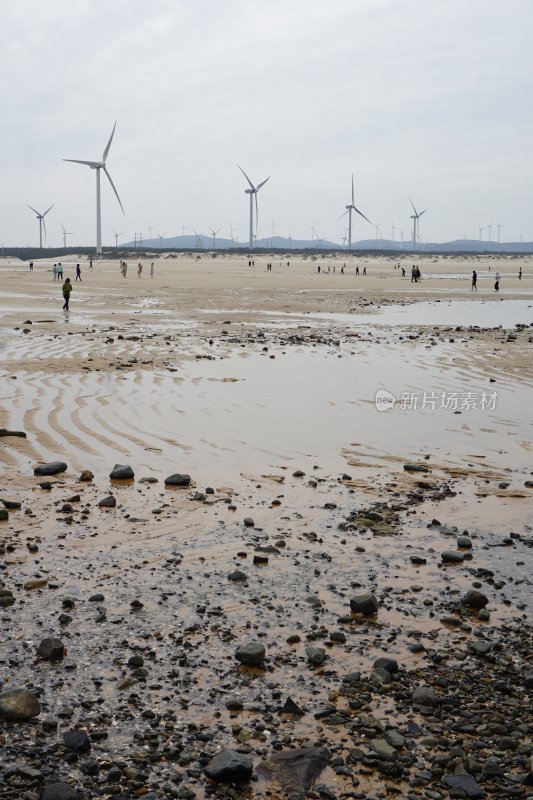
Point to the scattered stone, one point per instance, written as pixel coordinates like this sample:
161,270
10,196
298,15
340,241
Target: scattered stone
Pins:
77,741
121,472
475,599
108,502
315,655
416,468
177,479
295,770
51,649
364,603
465,542
452,557
237,575
467,783
18,705
229,766
11,505
5,432
248,522
53,468
480,647
4,514
383,749
290,707
59,791
424,696
251,654
86,476
35,583
390,664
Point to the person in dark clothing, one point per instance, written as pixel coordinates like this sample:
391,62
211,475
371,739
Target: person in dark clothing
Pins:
66,289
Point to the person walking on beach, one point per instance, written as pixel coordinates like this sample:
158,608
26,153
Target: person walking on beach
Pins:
54,271
520,274
67,288
152,269
139,269
78,272
60,271
403,272
31,266
497,279
474,281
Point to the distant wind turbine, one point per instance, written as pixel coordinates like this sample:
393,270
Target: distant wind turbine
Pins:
161,237
99,165
499,226
214,233
42,226
252,191
65,234
416,223
480,229
349,208
116,237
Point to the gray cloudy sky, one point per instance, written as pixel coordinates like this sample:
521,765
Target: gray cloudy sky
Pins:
423,98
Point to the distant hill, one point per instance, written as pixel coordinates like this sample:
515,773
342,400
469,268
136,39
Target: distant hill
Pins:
203,242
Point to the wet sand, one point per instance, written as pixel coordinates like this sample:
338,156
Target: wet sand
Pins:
244,378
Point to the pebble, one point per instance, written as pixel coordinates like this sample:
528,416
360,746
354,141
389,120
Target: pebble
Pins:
251,654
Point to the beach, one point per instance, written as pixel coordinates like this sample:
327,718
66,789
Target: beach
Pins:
355,460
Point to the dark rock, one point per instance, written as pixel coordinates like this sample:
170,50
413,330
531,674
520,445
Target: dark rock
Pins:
5,432
479,647
237,575
248,522
364,603
465,782
86,476
251,654
121,472
59,791
53,468
424,696
177,479
18,705
12,505
229,766
315,655
290,707
475,599
77,741
51,649
452,557
390,664
416,468
4,514
108,502
295,770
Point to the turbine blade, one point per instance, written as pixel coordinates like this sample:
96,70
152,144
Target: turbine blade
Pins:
263,183
92,164
113,187
414,209
34,210
44,227
422,212
106,151
343,215
353,198
256,213
361,214
47,210
247,178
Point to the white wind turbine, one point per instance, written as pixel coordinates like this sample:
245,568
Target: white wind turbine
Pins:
416,224
214,234
99,165
348,211
41,217
252,191
65,234
161,236
116,237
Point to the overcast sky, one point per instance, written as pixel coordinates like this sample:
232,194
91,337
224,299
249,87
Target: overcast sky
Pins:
428,99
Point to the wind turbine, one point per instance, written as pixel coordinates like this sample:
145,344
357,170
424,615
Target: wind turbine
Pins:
349,208
65,234
480,229
116,237
214,236
499,226
161,237
416,224
99,165
41,217
252,191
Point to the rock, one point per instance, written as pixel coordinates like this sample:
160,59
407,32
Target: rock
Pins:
18,705
248,522
416,468
528,484
177,479
467,783
53,468
5,432
237,575
59,791
474,599
11,505
251,654
35,583
424,696
418,560
390,664
364,603
380,677
290,707
464,542
528,681
77,741
452,557
86,475
4,514
383,749
315,655
295,770
479,647
229,766
108,502
121,472
298,473
51,649
135,661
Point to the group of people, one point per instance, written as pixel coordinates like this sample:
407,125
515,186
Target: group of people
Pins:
497,279
416,275
57,271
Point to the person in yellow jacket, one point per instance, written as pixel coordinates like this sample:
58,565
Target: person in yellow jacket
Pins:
66,289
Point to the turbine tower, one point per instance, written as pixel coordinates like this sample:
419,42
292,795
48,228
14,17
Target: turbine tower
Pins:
252,191
116,237
214,233
65,234
416,224
99,165
349,208
161,236
41,217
